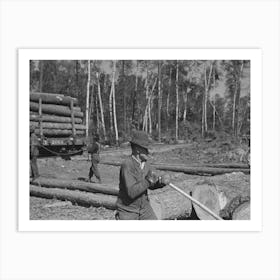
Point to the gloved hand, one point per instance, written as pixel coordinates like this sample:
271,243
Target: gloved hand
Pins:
164,179
151,177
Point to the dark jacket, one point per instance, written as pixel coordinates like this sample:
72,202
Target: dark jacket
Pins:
133,186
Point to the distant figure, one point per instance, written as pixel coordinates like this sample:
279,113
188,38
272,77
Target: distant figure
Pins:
34,152
136,177
94,150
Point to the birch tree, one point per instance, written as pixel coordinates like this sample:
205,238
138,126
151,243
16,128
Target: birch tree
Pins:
100,105
114,101
177,100
87,98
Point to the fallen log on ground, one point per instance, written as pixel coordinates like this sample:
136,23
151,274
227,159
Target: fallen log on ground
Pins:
50,125
228,165
81,198
194,170
54,119
59,132
77,185
168,203
56,109
52,98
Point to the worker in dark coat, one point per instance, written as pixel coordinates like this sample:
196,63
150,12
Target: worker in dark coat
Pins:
94,149
136,177
34,152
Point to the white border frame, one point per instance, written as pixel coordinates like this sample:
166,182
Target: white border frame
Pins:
24,55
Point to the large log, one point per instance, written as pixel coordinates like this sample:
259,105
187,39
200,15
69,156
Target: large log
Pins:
81,198
52,98
56,109
194,170
59,132
50,125
77,185
206,194
53,119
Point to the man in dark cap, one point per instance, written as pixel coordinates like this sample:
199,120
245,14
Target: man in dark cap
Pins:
93,150
34,152
136,177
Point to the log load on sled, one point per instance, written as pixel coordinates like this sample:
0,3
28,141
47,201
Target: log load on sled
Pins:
58,122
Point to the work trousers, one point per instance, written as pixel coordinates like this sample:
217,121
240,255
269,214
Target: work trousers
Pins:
34,167
146,213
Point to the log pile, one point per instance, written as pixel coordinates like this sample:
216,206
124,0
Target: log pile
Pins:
55,115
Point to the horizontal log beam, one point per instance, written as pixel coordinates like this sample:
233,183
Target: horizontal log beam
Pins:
59,132
56,109
77,185
53,119
52,98
194,170
80,198
50,125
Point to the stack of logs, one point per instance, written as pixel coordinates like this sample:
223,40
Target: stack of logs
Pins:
55,115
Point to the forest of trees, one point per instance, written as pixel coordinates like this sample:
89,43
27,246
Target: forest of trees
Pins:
168,99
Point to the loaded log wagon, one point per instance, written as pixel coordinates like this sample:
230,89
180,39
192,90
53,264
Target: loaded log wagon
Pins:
58,122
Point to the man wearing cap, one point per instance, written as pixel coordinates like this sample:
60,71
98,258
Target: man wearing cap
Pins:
34,152
136,177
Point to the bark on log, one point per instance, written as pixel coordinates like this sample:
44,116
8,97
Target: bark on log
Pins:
77,185
81,198
52,98
194,170
56,109
50,125
53,119
228,165
59,132
242,212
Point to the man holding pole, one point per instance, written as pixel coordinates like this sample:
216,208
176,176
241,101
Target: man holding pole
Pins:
34,152
136,177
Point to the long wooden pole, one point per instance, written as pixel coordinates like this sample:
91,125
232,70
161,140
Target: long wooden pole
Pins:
206,209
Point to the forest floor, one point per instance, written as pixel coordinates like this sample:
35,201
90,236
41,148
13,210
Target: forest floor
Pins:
189,154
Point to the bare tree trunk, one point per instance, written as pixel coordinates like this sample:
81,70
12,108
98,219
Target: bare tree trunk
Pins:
177,99
185,106
159,101
214,102
145,118
111,110
237,99
168,97
41,64
100,106
87,98
124,96
114,102
134,102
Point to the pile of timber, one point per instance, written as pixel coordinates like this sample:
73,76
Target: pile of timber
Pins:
55,115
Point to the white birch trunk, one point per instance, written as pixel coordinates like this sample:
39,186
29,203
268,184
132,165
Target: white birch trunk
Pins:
177,100
114,102
87,99
101,106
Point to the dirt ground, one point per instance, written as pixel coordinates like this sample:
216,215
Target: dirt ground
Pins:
190,154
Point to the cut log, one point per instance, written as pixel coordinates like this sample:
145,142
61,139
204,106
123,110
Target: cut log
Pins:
207,194
81,198
52,98
242,212
56,109
194,170
229,165
58,132
50,125
54,119
77,185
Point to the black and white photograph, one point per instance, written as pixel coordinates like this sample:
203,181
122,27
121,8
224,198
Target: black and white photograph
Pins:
140,139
